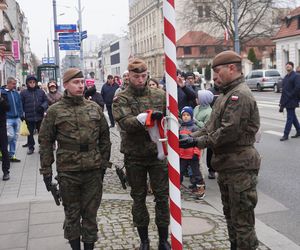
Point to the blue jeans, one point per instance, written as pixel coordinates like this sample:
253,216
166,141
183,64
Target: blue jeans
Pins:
291,120
13,128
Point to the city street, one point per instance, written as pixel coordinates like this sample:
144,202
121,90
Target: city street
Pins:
29,218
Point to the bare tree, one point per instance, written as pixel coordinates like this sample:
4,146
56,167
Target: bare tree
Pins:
255,17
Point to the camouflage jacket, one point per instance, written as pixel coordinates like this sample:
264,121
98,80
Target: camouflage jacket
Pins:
82,134
231,130
127,104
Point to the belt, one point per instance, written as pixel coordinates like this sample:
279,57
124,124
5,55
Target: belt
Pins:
78,147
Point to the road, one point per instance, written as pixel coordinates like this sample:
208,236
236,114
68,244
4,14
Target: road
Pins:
279,177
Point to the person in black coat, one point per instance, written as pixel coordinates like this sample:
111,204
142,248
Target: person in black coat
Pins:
4,107
35,104
290,101
108,92
91,93
186,95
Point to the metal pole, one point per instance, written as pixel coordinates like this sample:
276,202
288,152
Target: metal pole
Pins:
236,27
80,30
56,48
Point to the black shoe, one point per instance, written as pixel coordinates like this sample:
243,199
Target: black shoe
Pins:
30,151
14,159
6,177
75,244
284,138
296,135
211,175
143,233
163,233
88,246
25,145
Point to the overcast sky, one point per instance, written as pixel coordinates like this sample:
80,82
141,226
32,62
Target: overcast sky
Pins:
98,17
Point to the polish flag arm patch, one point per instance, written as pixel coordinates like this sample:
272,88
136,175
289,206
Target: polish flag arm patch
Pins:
234,98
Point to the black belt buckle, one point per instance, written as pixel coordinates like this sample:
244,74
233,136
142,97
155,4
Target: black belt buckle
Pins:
84,147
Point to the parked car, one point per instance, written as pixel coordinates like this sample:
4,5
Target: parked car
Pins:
264,78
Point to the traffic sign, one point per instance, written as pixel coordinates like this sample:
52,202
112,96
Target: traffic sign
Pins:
65,46
65,27
50,60
83,34
69,40
70,34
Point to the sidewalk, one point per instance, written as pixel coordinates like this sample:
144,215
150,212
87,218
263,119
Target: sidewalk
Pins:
29,218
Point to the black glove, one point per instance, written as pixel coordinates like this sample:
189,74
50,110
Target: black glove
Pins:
280,109
40,110
22,118
187,141
48,181
157,115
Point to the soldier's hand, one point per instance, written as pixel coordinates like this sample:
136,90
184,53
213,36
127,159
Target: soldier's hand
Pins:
186,141
157,115
48,181
280,109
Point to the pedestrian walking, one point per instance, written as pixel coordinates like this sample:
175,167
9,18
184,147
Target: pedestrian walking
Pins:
81,131
290,101
108,91
230,132
35,103
189,157
13,116
4,107
140,153
53,94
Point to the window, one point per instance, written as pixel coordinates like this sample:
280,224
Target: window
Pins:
298,23
272,73
203,49
200,11
187,50
114,47
207,11
115,59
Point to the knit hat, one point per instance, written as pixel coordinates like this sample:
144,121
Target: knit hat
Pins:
205,97
71,74
226,57
31,77
137,65
187,109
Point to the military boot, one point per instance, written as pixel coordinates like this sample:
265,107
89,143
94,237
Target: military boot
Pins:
88,246
163,233
143,233
75,244
233,245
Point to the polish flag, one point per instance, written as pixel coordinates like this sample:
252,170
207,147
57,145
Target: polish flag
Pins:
226,34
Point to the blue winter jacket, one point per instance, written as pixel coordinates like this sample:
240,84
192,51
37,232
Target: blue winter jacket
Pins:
290,89
15,103
108,92
186,97
35,103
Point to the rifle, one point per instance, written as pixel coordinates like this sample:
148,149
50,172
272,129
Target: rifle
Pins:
122,176
55,193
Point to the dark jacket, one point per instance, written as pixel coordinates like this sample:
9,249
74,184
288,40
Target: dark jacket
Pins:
108,92
93,95
4,107
15,103
186,97
35,103
290,89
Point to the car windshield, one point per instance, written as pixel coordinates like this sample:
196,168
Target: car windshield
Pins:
272,73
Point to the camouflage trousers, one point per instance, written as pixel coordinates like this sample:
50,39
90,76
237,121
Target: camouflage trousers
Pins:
81,194
136,172
239,198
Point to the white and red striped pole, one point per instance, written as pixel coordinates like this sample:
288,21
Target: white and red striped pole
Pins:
173,146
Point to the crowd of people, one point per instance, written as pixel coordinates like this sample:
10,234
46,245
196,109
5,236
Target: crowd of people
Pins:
221,122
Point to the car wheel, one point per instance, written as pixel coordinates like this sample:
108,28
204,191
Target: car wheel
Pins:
276,89
259,88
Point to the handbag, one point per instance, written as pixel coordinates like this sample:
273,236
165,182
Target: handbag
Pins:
24,129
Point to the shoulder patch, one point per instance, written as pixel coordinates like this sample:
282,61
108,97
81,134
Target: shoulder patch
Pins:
234,98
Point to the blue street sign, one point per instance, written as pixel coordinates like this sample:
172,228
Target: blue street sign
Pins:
65,28
71,34
50,60
65,46
83,34
69,40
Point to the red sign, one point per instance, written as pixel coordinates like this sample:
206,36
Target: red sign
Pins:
16,50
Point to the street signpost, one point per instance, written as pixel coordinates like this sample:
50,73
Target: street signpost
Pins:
66,46
49,60
69,34
83,34
65,28
69,40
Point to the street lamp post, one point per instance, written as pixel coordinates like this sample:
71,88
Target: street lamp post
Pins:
56,47
236,27
80,30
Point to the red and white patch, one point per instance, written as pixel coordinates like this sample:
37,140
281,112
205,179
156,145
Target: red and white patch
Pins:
234,98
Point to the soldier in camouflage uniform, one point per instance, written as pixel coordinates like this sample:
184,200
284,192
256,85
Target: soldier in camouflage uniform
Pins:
140,153
83,153
231,134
